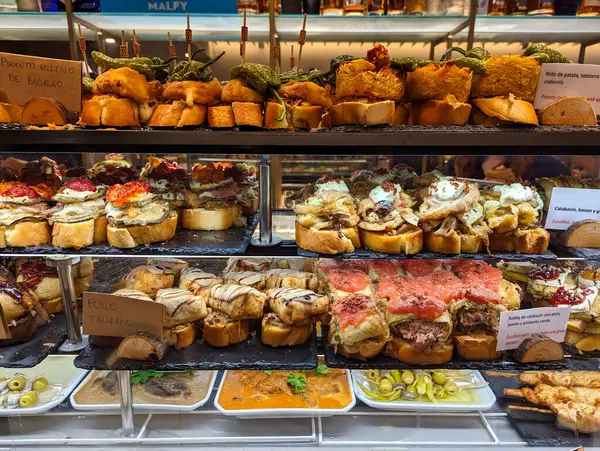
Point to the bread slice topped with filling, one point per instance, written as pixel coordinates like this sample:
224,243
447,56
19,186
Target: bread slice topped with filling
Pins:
221,330
148,279
196,280
290,278
237,301
247,278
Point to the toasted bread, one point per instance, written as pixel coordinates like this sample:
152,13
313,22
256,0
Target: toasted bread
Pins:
109,111
79,234
44,111
304,117
440,112
221,116
409,242
522,241
453,242
361,113
25,233
218,219
132,236
247,114
9,112
328,241
272,112
508,109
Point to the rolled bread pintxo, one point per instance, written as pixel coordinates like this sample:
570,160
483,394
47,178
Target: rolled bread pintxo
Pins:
294,305
289,278
181,306
237,301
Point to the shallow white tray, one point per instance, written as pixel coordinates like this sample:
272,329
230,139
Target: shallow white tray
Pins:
142,407
486,400
283,412
58,369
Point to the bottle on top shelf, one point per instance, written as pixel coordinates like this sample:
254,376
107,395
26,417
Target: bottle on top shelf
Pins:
497,8
416,7
376,7
450,8
354,7
250,6
396,7
332,8
263,7
589,8
518,7
541,8
310,6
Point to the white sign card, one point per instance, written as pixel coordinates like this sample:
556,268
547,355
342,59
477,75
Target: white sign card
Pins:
570,205
517,325
558,80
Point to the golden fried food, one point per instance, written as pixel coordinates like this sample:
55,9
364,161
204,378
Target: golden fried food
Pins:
238,91
435,82
505,75
359,78
194,92
306,91
124,82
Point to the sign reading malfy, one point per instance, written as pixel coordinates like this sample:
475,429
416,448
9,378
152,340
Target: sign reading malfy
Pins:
24,77
517,325
570,205
558,80
108,315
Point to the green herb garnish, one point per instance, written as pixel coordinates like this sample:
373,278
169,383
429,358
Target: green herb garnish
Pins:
322,370
143,376
297,383
268,372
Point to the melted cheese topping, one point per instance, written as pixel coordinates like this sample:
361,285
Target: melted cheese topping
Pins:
149,213
9,216
80,211
69,194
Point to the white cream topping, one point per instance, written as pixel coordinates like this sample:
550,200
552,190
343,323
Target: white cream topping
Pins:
516,193
447,189
20,200
88,209
378,194
9,216
332,186
78,195
588,299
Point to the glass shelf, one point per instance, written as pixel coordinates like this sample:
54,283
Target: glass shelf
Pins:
36,27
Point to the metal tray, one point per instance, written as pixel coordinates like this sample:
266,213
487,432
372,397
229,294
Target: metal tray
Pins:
537,429
248,355
45,341
426,255
233,241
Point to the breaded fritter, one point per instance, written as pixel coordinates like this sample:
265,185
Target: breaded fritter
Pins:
124,82
193,92
505,75
359,78
435,82
238,90
306,91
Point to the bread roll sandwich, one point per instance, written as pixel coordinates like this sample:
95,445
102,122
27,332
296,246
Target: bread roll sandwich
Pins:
181,311
175,264
22,311
366,89
240,106
195,280
237,301
191,88
306,96
167,180
124,95
79,219
135,216
452,218
148,279
244,177
220,330
246,278
212,200
289,278
358,327
513,213
327,221
235,264
387,221
294,311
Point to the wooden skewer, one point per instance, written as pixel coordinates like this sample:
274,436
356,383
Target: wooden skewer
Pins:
137,47
243,39
292,59
301,41
276,52
501,374
530,409
124,49
188,38
83,50
172,49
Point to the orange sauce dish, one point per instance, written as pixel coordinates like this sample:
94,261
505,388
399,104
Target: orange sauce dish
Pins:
243,390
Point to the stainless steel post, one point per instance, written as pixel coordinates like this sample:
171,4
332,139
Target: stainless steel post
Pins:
266,237
71,29
128,428
472,16
64,265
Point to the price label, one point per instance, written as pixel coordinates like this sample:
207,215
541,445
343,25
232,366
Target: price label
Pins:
570,205
518,325
108,315
559,80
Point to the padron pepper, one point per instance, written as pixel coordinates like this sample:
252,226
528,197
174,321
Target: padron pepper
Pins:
536,50
476,52
334,63
87,84
315,76
475,64
144,65
194,70
262,79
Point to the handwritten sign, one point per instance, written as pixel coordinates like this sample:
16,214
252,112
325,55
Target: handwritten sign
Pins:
560,80
24,77
108,315
518,325
570,205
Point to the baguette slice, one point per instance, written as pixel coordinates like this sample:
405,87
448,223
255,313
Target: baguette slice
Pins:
360,113
247,114
9,112
221,116
440,112
180,336
193,116
220,330
304,117
218,219
167,115
510,110
109,111
276,333
44,111
25,233
527,241
453,242
409,242
328,241
79,234
132,236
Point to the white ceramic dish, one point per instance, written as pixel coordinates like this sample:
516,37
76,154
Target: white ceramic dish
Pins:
142,407
283,413
485,400
59,370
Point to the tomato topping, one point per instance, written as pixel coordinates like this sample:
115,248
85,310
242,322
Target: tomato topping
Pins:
17,189
44,191
120,194
331,265
483,295
477,274
349,280
545,273
417,268
573,296
81,185
383,268
422,307
353,309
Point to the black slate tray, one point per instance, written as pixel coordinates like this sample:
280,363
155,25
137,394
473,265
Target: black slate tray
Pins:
45,341
426,255
585,253
249,355
233,241
537,429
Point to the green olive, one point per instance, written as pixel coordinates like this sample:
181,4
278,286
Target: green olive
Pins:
17,383
28,399
451,387
439,378
390,378
40,384
385,386
372,374
408,377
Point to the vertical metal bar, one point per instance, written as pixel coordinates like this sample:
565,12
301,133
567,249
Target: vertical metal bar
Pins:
71,27
472,16
432,51
582,48
128,428
266,231
101,42
449,40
